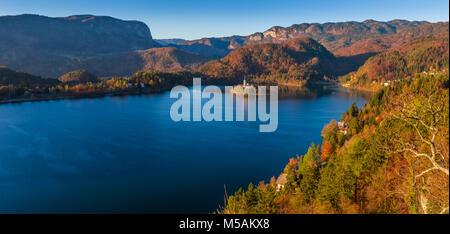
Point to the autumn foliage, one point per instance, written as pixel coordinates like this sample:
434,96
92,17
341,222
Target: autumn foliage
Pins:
327,151
393,159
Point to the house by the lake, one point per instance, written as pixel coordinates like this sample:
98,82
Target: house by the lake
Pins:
281,181
343,128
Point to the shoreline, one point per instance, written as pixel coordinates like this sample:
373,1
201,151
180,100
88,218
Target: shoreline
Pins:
359,88
55,98
141,92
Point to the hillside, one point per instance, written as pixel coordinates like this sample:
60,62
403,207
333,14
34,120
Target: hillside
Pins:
14,83
11,77
300,59
78,76
117,64
125,64
390,157
426,54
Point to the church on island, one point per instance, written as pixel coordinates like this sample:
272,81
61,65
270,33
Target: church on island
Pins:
245,88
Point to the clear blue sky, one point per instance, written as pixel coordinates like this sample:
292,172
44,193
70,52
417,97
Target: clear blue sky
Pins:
192,19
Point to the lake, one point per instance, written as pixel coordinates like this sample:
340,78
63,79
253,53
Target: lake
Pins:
126,155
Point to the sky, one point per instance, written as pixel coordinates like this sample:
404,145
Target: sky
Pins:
194,19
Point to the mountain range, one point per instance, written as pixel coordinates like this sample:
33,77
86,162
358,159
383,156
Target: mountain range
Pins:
106,46
338,37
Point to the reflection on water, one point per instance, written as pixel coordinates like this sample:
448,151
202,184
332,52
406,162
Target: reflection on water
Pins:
313,92
125,154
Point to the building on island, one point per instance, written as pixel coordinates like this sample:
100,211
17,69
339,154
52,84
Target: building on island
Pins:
245,84
245,88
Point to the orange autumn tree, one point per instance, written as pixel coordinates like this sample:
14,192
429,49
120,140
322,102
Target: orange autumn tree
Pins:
327,151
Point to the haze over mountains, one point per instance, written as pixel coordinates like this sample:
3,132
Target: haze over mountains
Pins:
106,46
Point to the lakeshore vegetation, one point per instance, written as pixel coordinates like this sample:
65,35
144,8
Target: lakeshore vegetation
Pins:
21,86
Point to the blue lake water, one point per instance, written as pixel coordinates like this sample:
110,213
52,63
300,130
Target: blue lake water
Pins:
126,155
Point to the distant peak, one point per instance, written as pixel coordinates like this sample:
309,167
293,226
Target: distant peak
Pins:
370,20
76,17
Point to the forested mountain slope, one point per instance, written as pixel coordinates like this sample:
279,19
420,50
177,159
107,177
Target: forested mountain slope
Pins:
300,59
393,157
428,54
